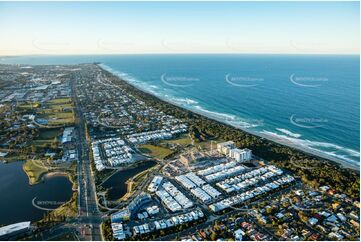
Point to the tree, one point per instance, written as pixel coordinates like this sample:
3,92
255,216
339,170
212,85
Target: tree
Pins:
213,236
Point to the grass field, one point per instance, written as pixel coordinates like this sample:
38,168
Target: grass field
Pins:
208,144
34,171
58,112
27,106
56,118
183,140
60,101
46,137
155,151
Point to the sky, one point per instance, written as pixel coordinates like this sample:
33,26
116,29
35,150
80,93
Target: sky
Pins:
179,27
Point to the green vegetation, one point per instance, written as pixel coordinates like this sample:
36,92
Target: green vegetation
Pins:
72,174
107,230
61,101
66,211
34,170
15,156
28,106
48,138
323,172
155,151
49,133
183,140
58,112
136,181
69,209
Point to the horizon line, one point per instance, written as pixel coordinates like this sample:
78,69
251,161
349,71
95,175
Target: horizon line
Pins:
175,53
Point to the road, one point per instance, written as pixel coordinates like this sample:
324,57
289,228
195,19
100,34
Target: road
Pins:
89,214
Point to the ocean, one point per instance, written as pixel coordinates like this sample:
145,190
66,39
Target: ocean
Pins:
311,102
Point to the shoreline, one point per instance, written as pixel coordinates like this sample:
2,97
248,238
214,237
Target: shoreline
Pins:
48,174
64,174
309,151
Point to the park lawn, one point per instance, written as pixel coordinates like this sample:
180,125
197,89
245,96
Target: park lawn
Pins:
208,144
34,171
60,107
58,117
28,106
183,140
155,151
57,112
60,100
59,104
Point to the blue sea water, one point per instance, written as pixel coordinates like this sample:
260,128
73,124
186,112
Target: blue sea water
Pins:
311,102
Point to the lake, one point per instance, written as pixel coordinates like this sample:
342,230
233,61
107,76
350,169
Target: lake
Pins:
17,195
117,183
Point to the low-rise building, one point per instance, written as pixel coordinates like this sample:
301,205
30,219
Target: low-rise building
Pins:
8,231
153,186
139,201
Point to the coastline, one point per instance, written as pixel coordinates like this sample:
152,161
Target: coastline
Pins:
313,170
306,150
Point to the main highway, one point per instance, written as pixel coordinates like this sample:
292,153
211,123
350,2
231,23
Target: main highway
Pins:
89,215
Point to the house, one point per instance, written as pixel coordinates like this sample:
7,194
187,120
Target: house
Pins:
238,234
313,221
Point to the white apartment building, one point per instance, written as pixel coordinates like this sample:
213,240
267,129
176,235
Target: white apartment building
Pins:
225,147
240,155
